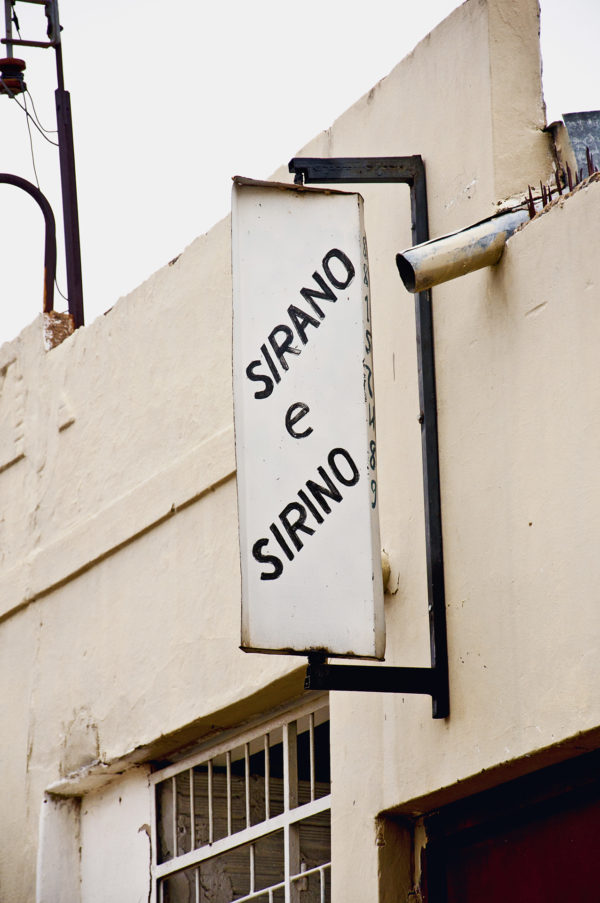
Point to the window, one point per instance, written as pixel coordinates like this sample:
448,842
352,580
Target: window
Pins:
248,817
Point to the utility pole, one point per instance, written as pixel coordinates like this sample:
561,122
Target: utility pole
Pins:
66,152
11,82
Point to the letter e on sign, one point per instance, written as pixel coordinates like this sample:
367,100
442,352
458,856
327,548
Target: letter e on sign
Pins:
296,412
304,407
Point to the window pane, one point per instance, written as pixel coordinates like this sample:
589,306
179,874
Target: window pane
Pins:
184,836
168,845
257,787
225,878
219,801
178,888
164,819
268,860
309,888
315,840
200,805
238,789
276,773
221,879
322,776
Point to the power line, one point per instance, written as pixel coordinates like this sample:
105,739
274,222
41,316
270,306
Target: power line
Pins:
37,181
64,297
26,111
47,131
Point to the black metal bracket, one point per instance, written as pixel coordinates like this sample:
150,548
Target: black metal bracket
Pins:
432,681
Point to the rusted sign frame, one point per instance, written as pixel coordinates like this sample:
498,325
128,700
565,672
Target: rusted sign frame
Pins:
432,681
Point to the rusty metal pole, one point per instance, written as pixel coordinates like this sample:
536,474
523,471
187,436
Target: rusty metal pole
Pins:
66,153
8,20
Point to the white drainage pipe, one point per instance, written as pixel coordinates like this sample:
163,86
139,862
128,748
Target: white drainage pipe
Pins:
450,256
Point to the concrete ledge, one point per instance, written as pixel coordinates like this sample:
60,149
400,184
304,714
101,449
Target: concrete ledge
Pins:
120,523
270,698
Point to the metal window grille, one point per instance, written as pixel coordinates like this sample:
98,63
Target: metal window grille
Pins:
248,817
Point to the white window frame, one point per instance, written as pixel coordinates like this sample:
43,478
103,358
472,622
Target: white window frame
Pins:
288,820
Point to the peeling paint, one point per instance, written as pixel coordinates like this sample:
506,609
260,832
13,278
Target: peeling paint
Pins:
57,328
145,829
81,743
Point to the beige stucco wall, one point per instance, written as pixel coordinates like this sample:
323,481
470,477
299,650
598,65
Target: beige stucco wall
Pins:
119,579
120,584
518,391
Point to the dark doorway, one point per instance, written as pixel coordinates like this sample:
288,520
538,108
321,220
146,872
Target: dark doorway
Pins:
531,840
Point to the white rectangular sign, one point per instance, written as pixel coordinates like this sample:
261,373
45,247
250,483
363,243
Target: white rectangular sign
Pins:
305,422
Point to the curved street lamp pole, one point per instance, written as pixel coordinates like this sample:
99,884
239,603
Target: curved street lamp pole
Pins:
50,235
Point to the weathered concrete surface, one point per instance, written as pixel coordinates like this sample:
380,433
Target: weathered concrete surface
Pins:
518,392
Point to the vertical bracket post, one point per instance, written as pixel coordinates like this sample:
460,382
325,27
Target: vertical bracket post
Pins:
434,680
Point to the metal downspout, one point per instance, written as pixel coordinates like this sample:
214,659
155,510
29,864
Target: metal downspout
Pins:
480,245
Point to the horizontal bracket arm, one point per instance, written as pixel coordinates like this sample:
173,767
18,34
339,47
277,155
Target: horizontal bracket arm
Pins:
370,679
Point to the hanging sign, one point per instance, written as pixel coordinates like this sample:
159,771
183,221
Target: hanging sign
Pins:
305,422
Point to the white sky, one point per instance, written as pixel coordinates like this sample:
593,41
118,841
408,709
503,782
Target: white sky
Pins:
171,99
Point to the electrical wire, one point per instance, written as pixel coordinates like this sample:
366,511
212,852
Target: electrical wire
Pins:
37,118
26,111
13,16
37,181
64,297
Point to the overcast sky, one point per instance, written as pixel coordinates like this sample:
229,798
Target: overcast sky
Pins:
171,99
